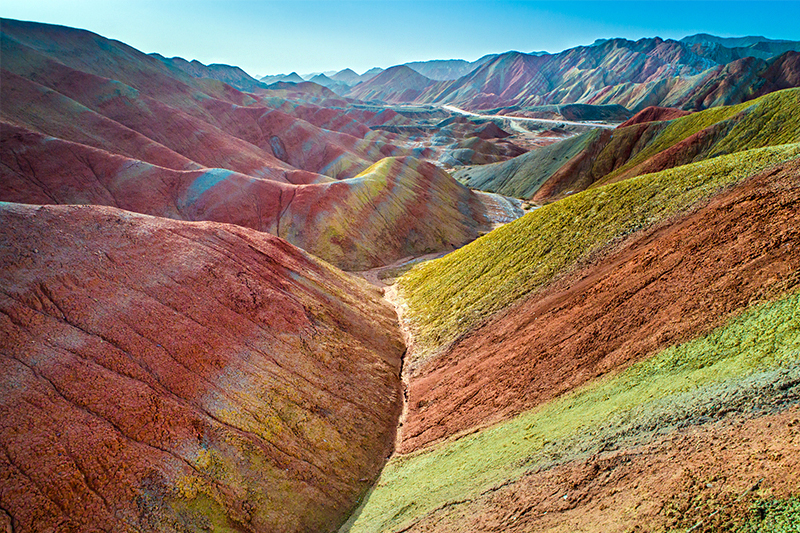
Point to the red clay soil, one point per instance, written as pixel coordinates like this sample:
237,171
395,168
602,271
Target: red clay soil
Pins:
420,209
729,84
709,475
681,153
35,169
161,375
229,131
426,203
165,124
656,289
491,131
653,114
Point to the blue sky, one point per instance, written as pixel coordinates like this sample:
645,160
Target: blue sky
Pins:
266,37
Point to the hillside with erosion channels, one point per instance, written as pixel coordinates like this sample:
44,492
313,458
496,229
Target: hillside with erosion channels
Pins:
87,120
633,347
138,397
531,292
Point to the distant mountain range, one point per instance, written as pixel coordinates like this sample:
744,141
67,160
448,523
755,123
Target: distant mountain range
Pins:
696,72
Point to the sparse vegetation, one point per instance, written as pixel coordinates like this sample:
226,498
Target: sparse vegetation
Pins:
678,130
730,369
452,295
773,516
766,121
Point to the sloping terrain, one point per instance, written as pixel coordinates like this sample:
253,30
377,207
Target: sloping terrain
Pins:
656,139
233,76
646,383
336,86
738,47
525,175
447,69
172,376
398,207
251,139
452,295
393,85
649,294
654,114
86,120
624,357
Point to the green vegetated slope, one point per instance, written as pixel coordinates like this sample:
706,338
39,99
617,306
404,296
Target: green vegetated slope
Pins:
738,366
524,175
642,148
766,121
450,296
678,130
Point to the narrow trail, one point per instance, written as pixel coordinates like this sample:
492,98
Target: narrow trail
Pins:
500,210
393,298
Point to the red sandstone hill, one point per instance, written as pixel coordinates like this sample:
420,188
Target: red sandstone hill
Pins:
398,207
396,84
159,373
653,114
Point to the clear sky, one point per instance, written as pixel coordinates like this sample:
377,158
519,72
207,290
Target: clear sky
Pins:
269,37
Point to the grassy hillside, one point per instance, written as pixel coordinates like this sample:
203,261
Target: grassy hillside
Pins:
594,159
767,121
450,296
730,369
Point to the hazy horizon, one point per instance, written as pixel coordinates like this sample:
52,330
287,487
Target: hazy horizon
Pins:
307,36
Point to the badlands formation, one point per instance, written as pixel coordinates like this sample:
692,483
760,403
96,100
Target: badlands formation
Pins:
533,292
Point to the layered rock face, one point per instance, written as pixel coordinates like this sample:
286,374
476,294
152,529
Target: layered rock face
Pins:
172,376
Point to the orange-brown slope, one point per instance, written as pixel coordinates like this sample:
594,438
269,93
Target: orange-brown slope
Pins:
159,375
657,289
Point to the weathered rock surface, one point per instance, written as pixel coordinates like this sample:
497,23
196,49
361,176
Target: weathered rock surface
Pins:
170,376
